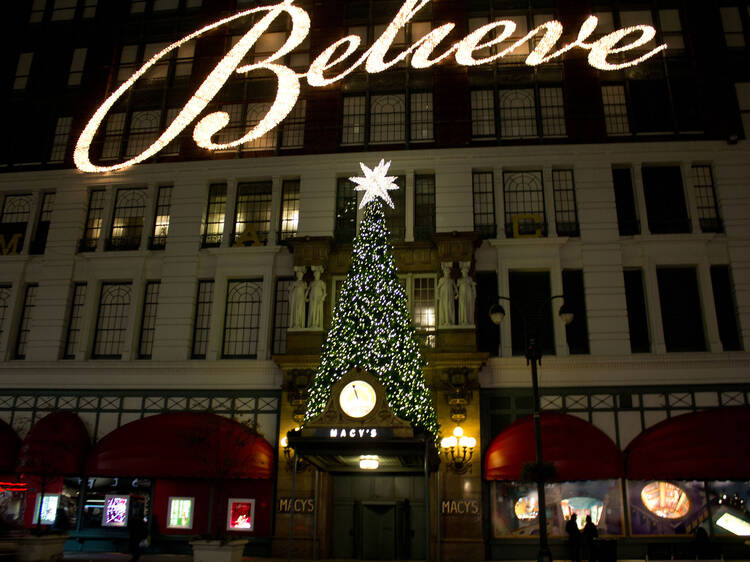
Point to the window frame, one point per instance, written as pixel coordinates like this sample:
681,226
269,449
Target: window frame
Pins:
243,326
124,318
75,320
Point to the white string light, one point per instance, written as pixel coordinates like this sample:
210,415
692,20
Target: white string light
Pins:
288,87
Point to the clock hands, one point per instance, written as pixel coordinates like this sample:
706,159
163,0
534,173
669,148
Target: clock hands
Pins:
354,388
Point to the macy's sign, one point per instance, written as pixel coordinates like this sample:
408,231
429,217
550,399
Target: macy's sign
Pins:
466,52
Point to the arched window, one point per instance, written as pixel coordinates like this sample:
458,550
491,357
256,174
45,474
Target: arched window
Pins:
112,320
387,118
242,319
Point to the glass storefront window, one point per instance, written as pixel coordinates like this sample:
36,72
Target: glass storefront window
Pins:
730,500
180,512
515,507
241,514
677,507
98,489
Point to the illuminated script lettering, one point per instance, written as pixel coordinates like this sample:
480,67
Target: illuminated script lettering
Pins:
335,55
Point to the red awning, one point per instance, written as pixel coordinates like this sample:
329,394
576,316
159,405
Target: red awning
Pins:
9,444
707,445
578,450
56,445
182,445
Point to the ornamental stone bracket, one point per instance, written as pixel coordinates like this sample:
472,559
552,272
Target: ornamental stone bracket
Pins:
456,246
447,370
296,383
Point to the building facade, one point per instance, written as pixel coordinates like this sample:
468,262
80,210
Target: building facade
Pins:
168,286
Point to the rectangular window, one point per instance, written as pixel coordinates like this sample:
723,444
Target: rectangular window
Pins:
252,219
615,110
256,112
517,114
234,129
173,148
530,291
483,191
184,63
148,319
37,11
651,107
281,315
161,218
577,332
89,8
566,213
353,129
127,219
635,298
293,127
76,67
14,219
731,23
60,140
26,320
482,113
289,209
627,219
683,325
75,321
113,131
93,228
665,200
23,70
144,130
204,303
743,102
4,303
395,218
424,206
180,513
524,205
112,320
421,120
127,64
242,319
705,195
137,6
64,10
213,226
726,307
39,243
387,118
346,211
160,70
553,112
671,29
162,5
423,310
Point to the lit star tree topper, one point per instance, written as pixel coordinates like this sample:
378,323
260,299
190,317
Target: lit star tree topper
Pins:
375,183
371,326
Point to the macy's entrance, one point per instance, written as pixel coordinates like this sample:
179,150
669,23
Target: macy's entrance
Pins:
378,517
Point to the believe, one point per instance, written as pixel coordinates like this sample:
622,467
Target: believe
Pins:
335,55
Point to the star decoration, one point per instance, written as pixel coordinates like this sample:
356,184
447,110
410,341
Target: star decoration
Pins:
375,183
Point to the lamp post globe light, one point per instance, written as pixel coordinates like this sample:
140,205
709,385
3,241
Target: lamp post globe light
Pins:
533,358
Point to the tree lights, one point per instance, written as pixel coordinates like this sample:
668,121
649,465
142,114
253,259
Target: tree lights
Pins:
336,55
371,326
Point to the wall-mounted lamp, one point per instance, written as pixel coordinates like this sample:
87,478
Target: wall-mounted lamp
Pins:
458,450
289,456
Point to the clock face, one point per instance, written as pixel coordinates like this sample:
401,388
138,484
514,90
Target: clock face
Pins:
357,399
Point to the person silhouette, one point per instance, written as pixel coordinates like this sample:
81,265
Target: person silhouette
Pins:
574,538
590,534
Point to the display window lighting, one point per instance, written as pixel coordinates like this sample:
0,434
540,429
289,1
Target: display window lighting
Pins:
336,54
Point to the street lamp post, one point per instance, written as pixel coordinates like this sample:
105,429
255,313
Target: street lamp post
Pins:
534,358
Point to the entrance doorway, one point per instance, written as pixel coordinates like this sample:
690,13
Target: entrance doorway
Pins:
378,517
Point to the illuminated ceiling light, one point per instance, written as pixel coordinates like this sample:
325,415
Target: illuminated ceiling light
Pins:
369,462
734,525
288,87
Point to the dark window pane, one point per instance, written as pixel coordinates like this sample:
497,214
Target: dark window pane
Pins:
529,295
681,312
726,307
346,211
652,112
627,219
637,317
665,200
424,206
488,334
577,331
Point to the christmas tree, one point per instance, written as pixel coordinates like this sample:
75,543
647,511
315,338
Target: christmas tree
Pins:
371,326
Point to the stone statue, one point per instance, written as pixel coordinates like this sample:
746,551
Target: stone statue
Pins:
317,296
467,293
297,300
446,294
